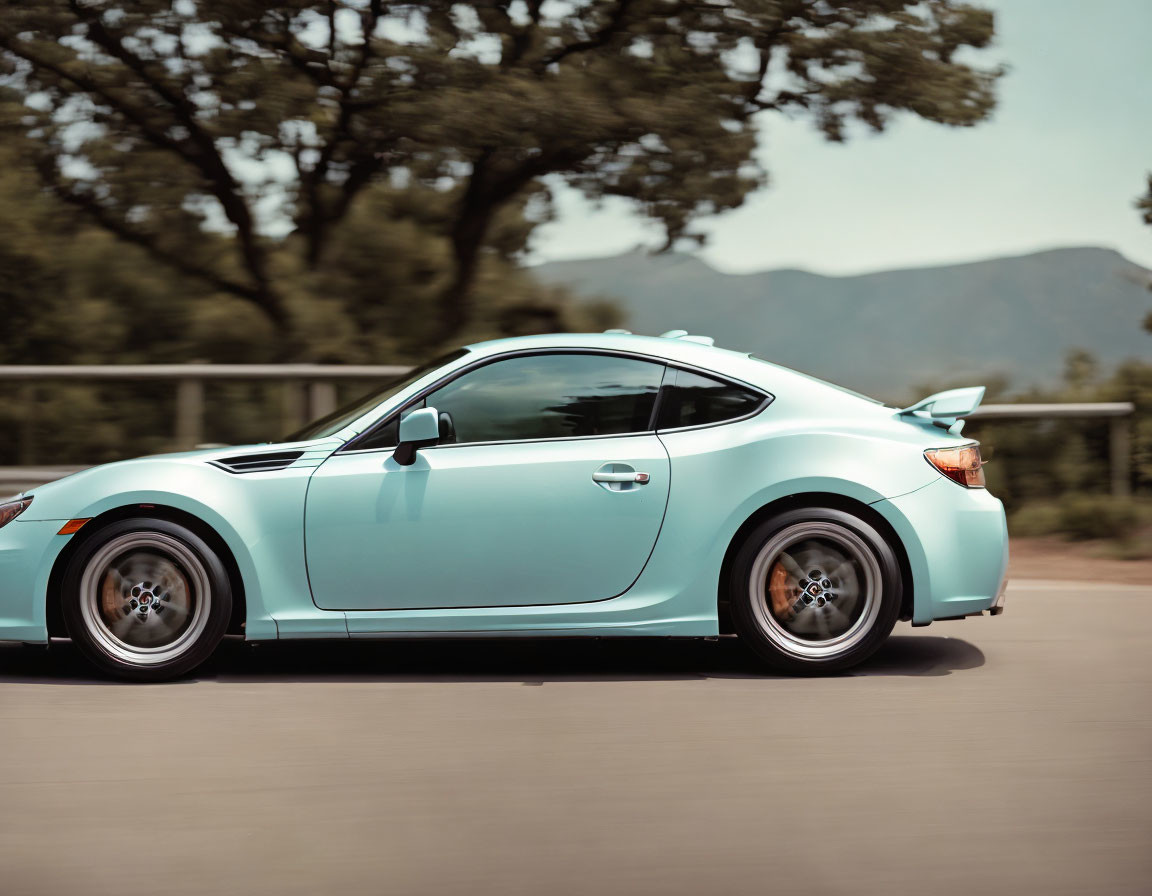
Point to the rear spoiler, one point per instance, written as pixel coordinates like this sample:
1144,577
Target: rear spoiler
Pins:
945,409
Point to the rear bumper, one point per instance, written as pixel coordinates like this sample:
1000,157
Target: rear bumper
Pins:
998,607
957,545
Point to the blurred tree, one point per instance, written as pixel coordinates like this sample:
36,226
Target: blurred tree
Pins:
1144,204
1081,370
70,293
232,140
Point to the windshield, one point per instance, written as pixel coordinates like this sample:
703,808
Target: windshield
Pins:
338,419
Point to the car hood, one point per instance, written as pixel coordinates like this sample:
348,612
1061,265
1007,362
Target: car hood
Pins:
54,495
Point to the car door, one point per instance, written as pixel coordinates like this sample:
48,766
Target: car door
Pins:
549,487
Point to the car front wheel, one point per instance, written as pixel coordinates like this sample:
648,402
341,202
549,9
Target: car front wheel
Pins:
815,590
146,599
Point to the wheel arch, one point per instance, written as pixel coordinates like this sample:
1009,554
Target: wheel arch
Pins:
814,499
54,614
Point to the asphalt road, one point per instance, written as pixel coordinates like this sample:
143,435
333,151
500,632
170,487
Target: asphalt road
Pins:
1006,755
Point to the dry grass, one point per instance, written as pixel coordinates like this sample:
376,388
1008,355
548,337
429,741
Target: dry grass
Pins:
1050,557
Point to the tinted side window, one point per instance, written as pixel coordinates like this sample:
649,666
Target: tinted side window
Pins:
690,399
386,435
551,396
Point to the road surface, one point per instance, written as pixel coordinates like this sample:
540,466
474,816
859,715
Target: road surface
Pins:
1006,755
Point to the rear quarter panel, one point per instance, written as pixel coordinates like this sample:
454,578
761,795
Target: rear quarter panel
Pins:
722,475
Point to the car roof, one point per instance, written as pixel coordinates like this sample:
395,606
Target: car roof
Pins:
668,348
680,347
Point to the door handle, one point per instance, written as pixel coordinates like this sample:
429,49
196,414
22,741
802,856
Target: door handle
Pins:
619,477
630,477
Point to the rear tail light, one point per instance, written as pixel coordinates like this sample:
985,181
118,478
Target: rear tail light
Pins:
962,465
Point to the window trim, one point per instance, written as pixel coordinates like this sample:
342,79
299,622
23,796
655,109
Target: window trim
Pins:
349,447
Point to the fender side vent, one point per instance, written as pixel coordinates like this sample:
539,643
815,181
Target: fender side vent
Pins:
258,463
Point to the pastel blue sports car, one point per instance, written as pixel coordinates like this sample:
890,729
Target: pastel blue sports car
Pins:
602,485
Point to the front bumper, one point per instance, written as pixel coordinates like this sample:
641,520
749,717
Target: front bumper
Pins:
28,549
957,545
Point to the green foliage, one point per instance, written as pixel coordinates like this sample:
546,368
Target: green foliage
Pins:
1082,517
1131,547
71,293
1097,516
1054,476
1035,519
232,140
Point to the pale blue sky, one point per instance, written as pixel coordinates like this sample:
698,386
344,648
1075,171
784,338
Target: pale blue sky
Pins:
1060,164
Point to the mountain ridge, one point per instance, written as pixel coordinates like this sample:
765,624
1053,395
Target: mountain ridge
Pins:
641,251
886,331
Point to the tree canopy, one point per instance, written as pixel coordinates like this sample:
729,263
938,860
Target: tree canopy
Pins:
232,140
72,293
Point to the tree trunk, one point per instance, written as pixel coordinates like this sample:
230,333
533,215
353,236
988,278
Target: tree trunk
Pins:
456,305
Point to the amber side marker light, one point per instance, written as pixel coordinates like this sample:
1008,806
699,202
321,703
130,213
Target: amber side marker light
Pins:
962,465
72,526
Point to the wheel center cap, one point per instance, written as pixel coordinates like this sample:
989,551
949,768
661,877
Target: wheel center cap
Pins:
145,599
813,590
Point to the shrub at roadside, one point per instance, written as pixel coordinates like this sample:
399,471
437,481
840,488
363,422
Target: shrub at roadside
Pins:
1081,517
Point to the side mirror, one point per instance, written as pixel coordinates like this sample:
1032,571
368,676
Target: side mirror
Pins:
419,429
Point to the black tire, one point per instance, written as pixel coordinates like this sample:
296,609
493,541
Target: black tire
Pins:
164,628
773,599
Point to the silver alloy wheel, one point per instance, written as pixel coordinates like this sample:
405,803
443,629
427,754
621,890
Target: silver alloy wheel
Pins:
145,598
815,589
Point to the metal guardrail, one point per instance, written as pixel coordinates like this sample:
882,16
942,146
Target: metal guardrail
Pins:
1118,414
309,389
310,372
14,480
1044,411
310,392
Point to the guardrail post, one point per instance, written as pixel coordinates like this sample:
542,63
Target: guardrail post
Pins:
1120,456
321,399
292,405
26,432
189,413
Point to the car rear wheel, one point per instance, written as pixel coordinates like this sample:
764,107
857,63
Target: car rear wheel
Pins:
146,599
815,590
